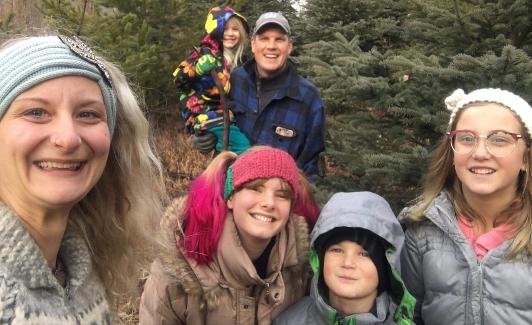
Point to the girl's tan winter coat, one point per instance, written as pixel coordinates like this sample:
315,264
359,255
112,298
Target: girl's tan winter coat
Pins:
228,290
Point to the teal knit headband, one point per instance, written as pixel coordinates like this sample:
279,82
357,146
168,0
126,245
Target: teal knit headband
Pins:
31,61
228,187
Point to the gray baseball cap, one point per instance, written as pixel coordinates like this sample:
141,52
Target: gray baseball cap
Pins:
272,18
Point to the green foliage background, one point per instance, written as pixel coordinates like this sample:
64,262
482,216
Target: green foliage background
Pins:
147,37
383,68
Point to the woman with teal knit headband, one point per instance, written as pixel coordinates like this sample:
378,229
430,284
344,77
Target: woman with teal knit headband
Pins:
77,181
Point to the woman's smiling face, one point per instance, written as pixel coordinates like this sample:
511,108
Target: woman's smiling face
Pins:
54,144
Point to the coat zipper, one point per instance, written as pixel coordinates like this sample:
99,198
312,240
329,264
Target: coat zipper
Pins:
339,320
481,269
258,94
481,289
68,293
267,285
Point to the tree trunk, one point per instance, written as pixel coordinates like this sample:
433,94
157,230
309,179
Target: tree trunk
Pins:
27,15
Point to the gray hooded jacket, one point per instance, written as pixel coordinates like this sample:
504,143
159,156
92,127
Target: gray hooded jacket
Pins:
441,270
358,210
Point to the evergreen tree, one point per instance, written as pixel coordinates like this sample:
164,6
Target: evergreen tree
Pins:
253,9
6,24
385,104
375,23
470,26
147,38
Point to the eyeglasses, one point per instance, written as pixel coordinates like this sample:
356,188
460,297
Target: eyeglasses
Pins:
499,143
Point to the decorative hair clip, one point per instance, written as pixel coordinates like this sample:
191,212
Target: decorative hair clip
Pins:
452,100
77,46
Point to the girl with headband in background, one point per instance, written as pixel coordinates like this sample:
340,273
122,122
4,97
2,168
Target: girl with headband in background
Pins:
79,184
238,248
467,254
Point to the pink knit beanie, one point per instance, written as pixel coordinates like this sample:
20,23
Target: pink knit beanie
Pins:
262,163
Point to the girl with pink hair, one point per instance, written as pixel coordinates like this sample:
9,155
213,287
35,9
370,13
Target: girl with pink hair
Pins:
237,247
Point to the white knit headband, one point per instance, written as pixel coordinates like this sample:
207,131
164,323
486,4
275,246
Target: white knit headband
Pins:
459,99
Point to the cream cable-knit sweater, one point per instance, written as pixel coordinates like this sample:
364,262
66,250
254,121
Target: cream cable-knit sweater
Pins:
29,292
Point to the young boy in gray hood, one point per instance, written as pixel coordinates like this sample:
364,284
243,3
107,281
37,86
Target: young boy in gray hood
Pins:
355,248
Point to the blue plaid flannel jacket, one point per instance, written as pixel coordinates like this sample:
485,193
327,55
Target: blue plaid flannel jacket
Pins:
293,119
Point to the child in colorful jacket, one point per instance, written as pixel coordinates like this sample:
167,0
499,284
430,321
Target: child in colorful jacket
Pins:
355,248
220,50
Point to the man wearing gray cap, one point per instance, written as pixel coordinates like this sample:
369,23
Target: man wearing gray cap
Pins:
272,104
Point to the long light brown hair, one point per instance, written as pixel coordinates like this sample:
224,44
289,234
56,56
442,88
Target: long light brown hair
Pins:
441,176
119,216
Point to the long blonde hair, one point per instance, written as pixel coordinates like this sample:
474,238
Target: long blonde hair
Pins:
441,176
119,216
234,56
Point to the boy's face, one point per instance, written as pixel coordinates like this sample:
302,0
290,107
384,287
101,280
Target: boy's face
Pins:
350,275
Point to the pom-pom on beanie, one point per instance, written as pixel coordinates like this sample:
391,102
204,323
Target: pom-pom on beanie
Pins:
28,62
371,242
459,99
261,163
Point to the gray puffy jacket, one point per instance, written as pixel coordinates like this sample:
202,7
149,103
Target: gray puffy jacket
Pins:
451,286
358,210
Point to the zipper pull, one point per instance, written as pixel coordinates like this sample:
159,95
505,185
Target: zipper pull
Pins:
67,291
338,320
258,94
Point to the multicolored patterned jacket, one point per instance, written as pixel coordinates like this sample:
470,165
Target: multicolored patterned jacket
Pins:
198,95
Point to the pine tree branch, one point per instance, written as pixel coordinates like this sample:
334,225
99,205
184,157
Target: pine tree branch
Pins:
460,21
82,17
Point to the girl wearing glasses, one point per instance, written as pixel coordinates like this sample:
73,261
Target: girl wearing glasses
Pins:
467,256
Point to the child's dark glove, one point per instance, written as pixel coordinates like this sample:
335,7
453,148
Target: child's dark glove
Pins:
204,142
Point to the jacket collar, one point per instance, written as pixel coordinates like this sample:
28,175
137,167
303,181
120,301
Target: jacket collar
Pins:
287,80
23,259
237,268
441,213
328,314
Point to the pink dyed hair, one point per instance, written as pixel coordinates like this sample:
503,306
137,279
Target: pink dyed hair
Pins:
306,205
205,209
